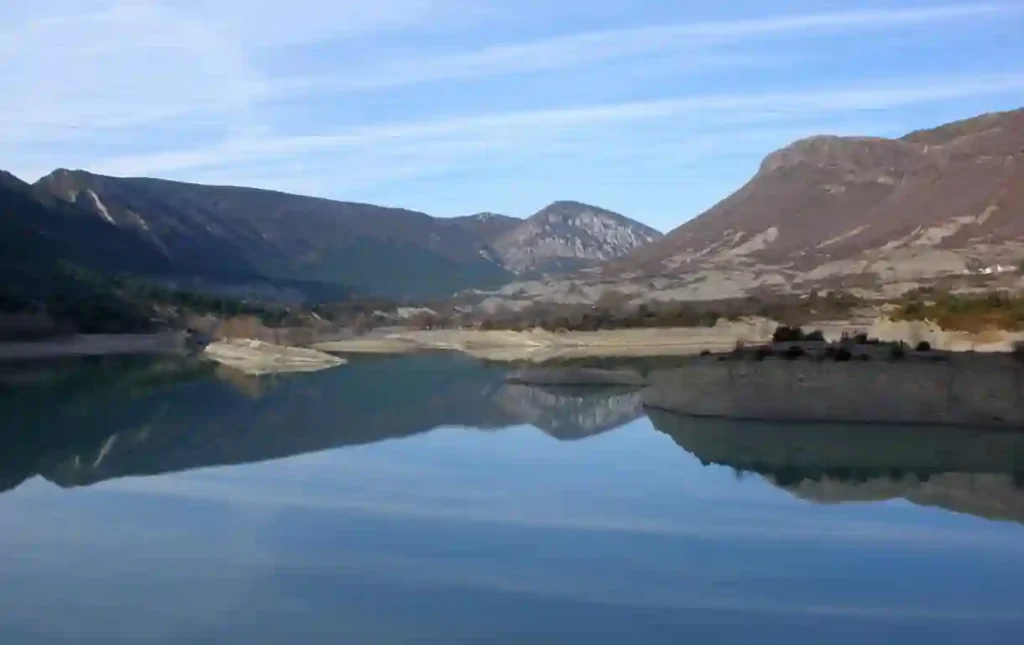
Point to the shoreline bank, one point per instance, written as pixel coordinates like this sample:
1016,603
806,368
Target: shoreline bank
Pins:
536,346
83,345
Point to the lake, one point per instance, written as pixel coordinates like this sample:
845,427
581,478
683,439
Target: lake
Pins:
422,499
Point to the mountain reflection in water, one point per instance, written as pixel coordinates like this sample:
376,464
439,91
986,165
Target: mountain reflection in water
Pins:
413,499
966,470
82,422
89,421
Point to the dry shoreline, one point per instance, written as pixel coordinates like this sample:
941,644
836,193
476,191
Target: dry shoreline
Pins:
532,346
540,346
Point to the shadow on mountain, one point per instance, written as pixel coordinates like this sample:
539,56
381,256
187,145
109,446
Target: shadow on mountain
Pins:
88,421
965,470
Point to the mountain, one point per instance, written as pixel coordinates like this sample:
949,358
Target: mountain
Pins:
49,256
37,231
486,227
569,235
869,213
214,230
208,229
889,209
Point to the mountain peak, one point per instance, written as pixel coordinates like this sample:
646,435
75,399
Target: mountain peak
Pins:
8,180
567,235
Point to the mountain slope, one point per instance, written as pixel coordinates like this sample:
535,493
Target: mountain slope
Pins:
878,215
568,235
37,232
377,250
828,199
204,229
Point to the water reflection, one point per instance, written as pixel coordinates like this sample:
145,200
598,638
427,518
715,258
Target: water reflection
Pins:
481,532
85,422
965,470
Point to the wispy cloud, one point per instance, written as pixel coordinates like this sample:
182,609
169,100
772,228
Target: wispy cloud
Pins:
365,92
578,49
528,128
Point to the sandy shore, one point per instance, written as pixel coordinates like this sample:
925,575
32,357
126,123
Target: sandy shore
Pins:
95,345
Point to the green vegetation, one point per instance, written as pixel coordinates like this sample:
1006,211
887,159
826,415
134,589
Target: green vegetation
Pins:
787,334
973,313
77,300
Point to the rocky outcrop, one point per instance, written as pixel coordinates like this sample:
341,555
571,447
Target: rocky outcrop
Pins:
570,235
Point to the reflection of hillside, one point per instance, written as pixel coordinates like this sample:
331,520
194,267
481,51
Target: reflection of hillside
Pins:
960,469
567,412
53,410
222,418
985,495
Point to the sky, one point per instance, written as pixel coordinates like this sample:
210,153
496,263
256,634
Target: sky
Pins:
653,108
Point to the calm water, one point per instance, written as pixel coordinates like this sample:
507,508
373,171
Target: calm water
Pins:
423,500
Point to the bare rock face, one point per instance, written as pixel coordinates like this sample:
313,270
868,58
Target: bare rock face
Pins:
569,235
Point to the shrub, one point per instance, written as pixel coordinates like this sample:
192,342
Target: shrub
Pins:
705,352
793,352
924,346
786,334
897,352
843,355
1018,351
816,336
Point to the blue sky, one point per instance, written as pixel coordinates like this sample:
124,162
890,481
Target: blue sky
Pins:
656,109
